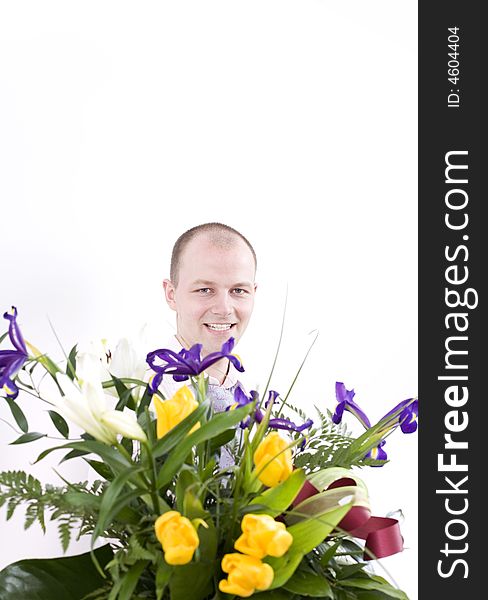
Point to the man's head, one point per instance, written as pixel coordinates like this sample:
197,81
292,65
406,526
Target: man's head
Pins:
212,286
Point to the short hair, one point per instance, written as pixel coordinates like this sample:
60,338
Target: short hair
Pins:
220,234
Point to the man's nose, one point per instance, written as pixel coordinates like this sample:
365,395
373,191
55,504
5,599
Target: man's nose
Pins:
222,305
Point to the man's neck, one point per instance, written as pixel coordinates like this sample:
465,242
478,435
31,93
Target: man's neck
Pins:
219,370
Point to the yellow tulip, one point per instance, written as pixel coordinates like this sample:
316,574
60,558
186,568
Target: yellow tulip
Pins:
173,411
246,574
177,536
273,450
263,536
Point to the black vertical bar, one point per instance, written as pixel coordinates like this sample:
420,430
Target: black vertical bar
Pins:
452,300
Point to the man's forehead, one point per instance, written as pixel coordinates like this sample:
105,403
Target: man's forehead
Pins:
206,254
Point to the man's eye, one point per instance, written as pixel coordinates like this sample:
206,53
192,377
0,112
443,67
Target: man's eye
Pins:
239,291
204,290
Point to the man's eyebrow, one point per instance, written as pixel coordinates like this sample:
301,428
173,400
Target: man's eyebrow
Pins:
206,283
203,282
243,284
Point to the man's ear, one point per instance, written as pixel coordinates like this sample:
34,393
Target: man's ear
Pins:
169,293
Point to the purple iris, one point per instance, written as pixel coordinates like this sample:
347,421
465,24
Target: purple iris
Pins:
404,414
181,365
241,399
378,453
345,402
11,361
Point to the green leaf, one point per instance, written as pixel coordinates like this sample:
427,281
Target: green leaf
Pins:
59,423
280,594
276,500
322,502
309,584
370,595
329,553
217,424
347,570
101,468
283,567
109,506
187,481
222,439
372,584
71,364
73,454
79,499
309,533
196,575
18,414
130,579
125,394
28,437
145,400
111,456
67,578
51,367
163,575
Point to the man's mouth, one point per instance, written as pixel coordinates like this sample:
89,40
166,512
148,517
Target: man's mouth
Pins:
219,326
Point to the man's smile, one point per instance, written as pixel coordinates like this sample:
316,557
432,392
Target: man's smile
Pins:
219,326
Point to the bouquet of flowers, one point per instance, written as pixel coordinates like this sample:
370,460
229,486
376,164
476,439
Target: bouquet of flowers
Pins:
193,503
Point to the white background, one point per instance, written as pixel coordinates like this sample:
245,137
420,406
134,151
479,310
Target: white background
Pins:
122,124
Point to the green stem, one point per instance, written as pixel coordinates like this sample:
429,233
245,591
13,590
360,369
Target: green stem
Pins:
154,480
283,403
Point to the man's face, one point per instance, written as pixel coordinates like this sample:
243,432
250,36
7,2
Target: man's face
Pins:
214,297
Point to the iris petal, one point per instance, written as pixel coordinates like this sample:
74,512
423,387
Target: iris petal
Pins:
345,402
186,363
11,361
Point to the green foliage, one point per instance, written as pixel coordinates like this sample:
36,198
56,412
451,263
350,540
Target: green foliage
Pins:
143,477
71,578
332,445
72,506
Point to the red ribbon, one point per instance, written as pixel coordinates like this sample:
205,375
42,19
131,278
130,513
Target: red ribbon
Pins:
382,534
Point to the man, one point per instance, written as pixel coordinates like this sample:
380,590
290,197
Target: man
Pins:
211,289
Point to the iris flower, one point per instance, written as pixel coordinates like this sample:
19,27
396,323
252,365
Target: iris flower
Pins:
378,453
241,399
345,402
188,363
403,415
11,361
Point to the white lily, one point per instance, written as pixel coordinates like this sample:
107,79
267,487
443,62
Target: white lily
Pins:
125,423
129,360
84,407
92,360
87,407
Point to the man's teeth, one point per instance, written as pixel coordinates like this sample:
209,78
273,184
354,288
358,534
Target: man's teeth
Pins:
219,326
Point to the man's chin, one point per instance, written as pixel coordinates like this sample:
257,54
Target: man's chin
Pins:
215,343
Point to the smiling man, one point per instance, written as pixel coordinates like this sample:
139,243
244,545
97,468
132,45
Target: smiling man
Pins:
211,289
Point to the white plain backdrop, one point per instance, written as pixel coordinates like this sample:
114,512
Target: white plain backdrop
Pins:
123,124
